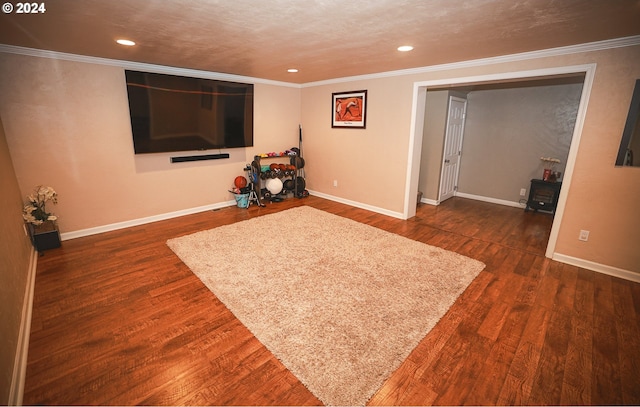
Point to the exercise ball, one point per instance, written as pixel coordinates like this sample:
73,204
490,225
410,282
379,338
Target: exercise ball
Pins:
274,185
240,182
289,185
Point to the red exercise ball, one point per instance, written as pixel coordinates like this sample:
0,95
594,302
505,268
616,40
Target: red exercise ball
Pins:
240,181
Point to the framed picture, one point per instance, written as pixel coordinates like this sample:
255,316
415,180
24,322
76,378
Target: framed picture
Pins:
349,109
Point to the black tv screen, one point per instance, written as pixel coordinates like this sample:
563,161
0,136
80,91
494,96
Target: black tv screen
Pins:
177,113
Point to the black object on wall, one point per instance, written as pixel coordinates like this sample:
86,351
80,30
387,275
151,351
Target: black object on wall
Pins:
175,113
199,157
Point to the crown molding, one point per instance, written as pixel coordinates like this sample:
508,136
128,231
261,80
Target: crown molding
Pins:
139,66
551,52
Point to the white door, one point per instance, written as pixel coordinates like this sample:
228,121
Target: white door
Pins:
452,147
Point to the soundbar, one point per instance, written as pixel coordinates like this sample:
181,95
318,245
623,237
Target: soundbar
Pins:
199,157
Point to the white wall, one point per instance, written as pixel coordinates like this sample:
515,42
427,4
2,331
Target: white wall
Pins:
435,127
15,269
67,126
507,130
371,164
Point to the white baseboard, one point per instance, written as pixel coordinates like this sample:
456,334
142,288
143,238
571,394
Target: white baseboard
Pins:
490,200
562,258
430,201
170,215
356,204
16,391
597,267
142,221
609,270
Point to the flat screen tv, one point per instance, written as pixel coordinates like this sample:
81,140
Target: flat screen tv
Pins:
175,113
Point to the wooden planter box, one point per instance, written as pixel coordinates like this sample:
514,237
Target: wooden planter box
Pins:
45,236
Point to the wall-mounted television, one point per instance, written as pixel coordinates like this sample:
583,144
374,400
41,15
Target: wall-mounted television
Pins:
176,113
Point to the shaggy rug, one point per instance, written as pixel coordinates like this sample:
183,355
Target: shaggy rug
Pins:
340,303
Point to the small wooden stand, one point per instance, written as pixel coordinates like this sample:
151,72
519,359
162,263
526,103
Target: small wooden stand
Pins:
45,236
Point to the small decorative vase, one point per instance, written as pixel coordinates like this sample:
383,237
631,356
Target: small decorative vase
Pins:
45,236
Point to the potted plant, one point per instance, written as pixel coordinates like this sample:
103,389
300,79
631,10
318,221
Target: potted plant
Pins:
42,224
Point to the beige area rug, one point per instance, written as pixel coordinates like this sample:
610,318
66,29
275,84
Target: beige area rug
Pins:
340,303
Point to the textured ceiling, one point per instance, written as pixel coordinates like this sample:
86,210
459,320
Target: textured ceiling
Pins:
324,39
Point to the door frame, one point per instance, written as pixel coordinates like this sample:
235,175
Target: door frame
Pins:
417,127
446,136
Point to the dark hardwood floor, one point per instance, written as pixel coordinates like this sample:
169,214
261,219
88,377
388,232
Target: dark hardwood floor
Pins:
119,320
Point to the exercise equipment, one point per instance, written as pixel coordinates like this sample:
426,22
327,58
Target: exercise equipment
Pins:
253,172
240,182
298,161
289,185
301,185
274,185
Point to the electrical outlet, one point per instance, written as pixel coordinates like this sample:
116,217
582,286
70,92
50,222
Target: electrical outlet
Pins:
584,235
335,182
523,192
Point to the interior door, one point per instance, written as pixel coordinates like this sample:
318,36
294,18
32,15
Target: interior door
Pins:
452,147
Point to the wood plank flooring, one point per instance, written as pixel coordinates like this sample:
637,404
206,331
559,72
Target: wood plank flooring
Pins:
119,320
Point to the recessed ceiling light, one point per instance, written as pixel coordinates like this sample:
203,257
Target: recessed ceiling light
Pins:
128,43
405,48
292,70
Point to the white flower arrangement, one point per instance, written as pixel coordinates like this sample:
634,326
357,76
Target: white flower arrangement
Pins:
549,163
35,212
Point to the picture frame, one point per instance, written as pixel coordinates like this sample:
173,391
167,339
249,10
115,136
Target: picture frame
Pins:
349,109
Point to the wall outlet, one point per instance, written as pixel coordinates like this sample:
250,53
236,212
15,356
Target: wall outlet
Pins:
584,235
335,182
523,192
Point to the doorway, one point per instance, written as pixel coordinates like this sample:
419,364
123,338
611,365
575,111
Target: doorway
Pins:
417,126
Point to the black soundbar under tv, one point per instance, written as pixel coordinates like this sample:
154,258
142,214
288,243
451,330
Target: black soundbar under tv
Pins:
199,157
